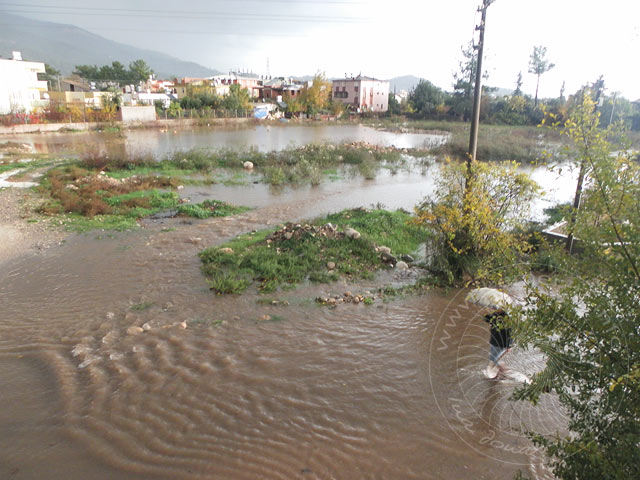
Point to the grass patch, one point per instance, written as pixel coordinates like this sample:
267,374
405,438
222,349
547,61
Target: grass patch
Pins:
5,167
309,164
94,200
297,253
210,208
499,142
78,223
141,306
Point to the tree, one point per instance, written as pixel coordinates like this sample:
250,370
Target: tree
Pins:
475,223
317,96
237,98
139,71
425,98
461,102
539,65
395,108
588,327
50,76
518,90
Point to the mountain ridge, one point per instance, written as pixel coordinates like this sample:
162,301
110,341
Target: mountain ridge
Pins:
64,46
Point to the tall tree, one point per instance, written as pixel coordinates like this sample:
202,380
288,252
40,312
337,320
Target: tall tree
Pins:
425,98
518,90
464,80
538,65
139,71
237,98
316,97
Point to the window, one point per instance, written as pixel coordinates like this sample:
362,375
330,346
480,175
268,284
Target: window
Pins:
356,88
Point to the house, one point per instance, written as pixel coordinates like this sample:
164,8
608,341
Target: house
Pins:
20,89
277,88
363,94
74,84
152,98
249,81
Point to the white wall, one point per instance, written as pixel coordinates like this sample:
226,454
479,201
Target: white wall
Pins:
138,114
19,85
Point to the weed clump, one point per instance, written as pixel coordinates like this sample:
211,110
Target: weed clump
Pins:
210,208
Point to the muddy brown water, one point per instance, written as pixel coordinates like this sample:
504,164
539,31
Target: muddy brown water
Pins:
392,390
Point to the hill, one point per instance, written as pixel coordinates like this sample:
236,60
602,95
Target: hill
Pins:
406,82
65,46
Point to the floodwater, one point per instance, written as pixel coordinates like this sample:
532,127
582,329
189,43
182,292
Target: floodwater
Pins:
387,391
242,137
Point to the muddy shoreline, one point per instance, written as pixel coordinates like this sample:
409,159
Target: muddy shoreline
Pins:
21,231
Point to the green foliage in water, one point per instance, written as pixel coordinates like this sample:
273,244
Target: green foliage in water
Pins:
210,208
296,253
292,166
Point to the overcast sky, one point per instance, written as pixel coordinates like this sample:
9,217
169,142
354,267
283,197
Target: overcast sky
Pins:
381,38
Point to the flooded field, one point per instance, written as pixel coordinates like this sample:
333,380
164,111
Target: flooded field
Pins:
390,390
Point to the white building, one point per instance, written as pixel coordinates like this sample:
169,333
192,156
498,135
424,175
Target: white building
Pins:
20,88
364,94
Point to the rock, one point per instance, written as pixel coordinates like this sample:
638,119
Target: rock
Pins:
182,324
352,233
194,240
288,235
134,330
110,315
265,318
226,250
331,265
387,258
407,258
248,165
356,300
384,249
146,327
402,265
347,294
180,187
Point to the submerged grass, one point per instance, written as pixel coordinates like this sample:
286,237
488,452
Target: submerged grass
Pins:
292,166
94,201
210,208
296,253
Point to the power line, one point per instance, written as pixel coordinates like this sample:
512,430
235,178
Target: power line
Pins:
180,32
171,14
287,2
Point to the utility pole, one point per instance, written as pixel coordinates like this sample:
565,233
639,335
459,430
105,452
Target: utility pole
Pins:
475,119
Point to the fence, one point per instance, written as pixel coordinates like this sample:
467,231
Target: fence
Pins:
61,113
78,113
202,113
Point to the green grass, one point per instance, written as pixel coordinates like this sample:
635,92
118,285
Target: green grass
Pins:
141,306
80,224
383,227
210,208
270,260
11,166
309,164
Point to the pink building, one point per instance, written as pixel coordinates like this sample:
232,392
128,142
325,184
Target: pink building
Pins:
364,94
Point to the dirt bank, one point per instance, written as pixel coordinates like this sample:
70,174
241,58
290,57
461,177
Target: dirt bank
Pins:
21,231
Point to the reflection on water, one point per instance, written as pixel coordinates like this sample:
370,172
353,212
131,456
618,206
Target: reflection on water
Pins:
263,138
388,391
